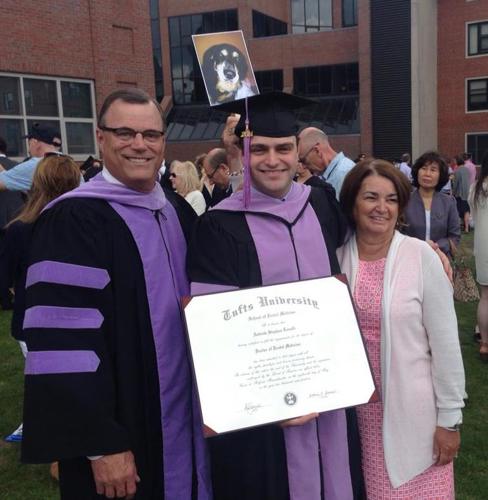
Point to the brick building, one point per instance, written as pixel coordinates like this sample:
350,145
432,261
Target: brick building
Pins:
389,77
59,58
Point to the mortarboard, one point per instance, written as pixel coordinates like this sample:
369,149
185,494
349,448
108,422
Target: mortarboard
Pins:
270,115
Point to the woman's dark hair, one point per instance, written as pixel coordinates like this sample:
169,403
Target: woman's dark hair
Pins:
426,159
355,177
479,190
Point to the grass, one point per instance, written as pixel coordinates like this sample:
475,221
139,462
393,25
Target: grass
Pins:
32,482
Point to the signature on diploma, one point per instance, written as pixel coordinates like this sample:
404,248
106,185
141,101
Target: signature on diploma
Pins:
321,394
252,408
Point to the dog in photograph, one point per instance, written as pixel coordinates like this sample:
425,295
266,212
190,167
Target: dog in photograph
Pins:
225,69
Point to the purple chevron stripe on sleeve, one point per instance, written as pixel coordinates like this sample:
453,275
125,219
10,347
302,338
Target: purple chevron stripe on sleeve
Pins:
49,271
52,362
62,317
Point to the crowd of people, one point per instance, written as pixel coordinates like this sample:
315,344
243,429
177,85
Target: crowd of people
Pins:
99,259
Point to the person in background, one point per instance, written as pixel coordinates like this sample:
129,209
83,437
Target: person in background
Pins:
316,153
360,157
431,215
218,173
405,167
304,176
42,140
471,167
460,190
10,205
54,176
405,307
478,201
91,167
205,186
185,181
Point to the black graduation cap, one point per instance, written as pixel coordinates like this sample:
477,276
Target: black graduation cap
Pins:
270,114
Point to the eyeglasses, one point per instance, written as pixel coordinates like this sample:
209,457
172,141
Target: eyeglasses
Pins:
126,134
210,176
303,159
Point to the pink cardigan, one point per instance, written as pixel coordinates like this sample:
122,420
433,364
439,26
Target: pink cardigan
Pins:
422,373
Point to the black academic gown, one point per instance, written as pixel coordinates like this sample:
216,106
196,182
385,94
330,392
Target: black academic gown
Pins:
116,408
251,464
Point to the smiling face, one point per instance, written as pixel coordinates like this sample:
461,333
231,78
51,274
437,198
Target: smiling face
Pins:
135,162
376,208
428,175
273,164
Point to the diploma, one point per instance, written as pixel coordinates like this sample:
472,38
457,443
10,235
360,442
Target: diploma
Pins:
266,354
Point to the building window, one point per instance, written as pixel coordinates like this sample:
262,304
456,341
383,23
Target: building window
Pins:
188,86
65,104
156,46
311,15
477,145
478,94
336,88
264,25
319,81
269,80
478,38
349,13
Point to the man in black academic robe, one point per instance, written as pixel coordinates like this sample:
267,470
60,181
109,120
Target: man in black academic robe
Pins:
108,387
283,232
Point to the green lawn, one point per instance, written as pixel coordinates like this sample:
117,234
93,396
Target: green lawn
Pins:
27,482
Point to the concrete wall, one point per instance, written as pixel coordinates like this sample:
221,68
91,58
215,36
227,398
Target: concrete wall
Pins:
424,75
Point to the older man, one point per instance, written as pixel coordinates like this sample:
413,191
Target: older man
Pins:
316,153
108,387
218,173
42,139
287,232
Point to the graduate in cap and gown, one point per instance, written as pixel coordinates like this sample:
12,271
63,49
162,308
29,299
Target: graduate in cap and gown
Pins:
275,231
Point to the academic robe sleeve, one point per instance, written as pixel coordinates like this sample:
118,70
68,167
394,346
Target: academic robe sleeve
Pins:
70,401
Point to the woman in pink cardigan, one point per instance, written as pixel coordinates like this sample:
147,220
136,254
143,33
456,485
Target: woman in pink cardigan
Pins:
406,311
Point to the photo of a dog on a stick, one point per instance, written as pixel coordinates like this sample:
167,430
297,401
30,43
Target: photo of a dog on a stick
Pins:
225,65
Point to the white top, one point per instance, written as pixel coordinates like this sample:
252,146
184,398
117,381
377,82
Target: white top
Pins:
427,224
197,201
480,217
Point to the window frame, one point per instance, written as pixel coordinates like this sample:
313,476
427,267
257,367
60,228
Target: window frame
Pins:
270,19
304,26
60,117
467,95
468,25
344,25
467,134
